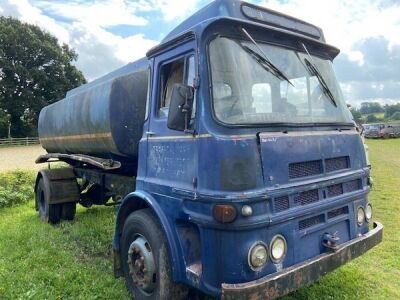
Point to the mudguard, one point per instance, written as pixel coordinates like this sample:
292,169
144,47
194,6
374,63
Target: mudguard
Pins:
135,201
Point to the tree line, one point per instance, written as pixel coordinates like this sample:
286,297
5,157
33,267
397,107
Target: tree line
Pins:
370,112
35,71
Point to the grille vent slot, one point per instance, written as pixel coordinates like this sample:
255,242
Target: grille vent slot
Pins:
304,169
335,190
307,197
337,163
338,212
353,185
281,203
306,223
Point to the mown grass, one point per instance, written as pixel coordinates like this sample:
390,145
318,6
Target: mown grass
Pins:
73,260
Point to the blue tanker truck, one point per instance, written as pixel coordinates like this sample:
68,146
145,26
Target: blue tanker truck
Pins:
235,163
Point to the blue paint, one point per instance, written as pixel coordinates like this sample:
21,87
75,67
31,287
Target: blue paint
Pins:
181,176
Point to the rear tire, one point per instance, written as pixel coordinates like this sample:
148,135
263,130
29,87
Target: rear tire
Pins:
49,213
143,226
68,211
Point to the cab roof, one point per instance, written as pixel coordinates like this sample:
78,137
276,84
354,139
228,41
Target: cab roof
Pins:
247,12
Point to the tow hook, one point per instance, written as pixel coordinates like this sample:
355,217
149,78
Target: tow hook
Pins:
330,241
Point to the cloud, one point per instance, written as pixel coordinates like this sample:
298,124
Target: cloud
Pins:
86,25
345,22
380,62
172,9
23,10
99,50
378,78
95,13
367,34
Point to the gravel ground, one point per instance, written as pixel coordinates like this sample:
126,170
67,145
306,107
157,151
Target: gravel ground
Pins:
20,157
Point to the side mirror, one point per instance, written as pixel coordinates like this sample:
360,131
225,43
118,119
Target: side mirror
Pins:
180,108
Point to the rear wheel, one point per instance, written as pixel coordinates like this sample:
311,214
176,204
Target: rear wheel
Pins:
145,259
68,211
49,213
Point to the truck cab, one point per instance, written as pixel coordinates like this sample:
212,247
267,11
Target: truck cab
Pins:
250,165
266,169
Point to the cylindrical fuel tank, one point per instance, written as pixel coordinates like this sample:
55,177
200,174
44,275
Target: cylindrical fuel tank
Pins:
103,118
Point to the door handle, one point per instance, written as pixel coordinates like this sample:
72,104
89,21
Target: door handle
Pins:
150,133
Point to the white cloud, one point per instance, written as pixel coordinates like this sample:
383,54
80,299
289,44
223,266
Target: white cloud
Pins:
99,50
345,22
366,32
172,9
98,13
24,11
356,56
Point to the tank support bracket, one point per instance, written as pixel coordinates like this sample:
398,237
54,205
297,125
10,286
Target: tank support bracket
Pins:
79,159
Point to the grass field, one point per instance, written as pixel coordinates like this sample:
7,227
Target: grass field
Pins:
73,260
20,157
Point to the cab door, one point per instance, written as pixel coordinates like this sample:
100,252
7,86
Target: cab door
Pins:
172,163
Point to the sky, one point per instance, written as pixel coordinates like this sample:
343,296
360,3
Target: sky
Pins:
108,34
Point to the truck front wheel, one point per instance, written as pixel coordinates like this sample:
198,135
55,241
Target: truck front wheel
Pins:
145,260
49,213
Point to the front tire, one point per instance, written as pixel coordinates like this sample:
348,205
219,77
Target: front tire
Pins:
145,259
49,213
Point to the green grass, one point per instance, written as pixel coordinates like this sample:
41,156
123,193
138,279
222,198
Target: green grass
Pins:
73,260
16,187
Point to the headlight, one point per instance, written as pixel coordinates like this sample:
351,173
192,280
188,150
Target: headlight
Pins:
360,215
368,212
278,248
258,256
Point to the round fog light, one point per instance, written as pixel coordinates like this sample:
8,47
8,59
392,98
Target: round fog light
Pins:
258,256
368,212
360,216
278,248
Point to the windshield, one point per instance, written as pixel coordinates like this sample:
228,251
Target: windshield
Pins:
245,91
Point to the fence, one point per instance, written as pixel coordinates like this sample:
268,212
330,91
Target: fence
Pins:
19,141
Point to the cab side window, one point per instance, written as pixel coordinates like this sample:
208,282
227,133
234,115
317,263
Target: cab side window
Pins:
180,71
171,74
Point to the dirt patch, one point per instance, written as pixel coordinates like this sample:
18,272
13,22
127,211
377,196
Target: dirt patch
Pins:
21,157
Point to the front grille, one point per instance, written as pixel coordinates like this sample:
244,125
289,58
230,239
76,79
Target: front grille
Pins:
336,164
307,197
304,169
338,212
335,190
281,203
306,223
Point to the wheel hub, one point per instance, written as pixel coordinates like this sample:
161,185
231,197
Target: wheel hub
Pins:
141,265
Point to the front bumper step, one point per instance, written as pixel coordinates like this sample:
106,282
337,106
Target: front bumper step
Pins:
294,277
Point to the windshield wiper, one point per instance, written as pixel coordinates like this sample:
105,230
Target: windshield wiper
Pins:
262,59
312,68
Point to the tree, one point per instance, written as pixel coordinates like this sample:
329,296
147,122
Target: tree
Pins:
390,110
370,108
3,123
371,119
357,116
34,72
396,116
